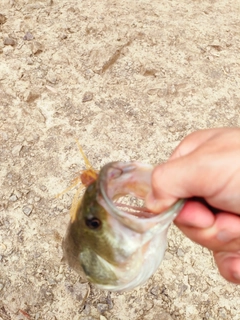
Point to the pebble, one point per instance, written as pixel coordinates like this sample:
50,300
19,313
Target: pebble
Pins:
180,253
152,92
88,96
16,150
27,210
36,47
3,19
13,198
18,194
168,256
51,77
102,307
4,135
172,129
60,269
29,61
155,290
9,42
30,95
28,36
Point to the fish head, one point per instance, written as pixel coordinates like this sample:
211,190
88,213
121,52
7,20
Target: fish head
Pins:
116,248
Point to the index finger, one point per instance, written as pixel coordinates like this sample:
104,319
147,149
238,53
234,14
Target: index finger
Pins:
194,140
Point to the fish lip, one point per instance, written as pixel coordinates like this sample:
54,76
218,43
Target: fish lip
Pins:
113,174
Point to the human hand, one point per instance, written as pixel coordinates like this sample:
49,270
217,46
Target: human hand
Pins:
205,164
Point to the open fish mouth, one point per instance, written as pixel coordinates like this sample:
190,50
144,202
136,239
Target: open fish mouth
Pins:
125,186
122,190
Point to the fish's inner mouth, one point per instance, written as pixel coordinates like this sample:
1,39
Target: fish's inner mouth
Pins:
125,186
132,205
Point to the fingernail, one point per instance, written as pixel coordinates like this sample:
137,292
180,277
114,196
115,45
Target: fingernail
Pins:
150,199
225,236
156,205
151,203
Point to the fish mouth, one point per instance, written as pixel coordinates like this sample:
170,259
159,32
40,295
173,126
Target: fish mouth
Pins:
122,188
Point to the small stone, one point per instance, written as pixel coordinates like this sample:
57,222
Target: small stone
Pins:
155,290
51,77
37,199
168,256
13,198
36,47
3,19
16,150
27,210
172,129
9,176
59,277
102,307
102,317
9,41
152,92
31,95
182,289
4,135
60,269
28,36
79,290
88,96
180,253
109,302
1,286
29,61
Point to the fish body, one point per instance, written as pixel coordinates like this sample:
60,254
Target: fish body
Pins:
117,246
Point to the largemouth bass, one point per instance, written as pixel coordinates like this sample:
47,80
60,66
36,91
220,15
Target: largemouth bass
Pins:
117,246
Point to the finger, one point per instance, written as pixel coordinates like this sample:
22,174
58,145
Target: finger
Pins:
172,180
223,235
229,265
194,141
195,214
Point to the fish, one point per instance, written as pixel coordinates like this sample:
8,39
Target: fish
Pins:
115,245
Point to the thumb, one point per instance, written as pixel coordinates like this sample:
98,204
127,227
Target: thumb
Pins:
171,181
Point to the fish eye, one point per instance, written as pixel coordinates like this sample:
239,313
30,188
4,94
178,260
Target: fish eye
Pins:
93,223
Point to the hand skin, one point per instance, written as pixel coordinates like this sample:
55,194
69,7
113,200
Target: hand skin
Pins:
205,164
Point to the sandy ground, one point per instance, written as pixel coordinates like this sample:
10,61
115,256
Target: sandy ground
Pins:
129,79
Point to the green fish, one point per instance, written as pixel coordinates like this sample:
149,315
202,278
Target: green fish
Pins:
117,246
